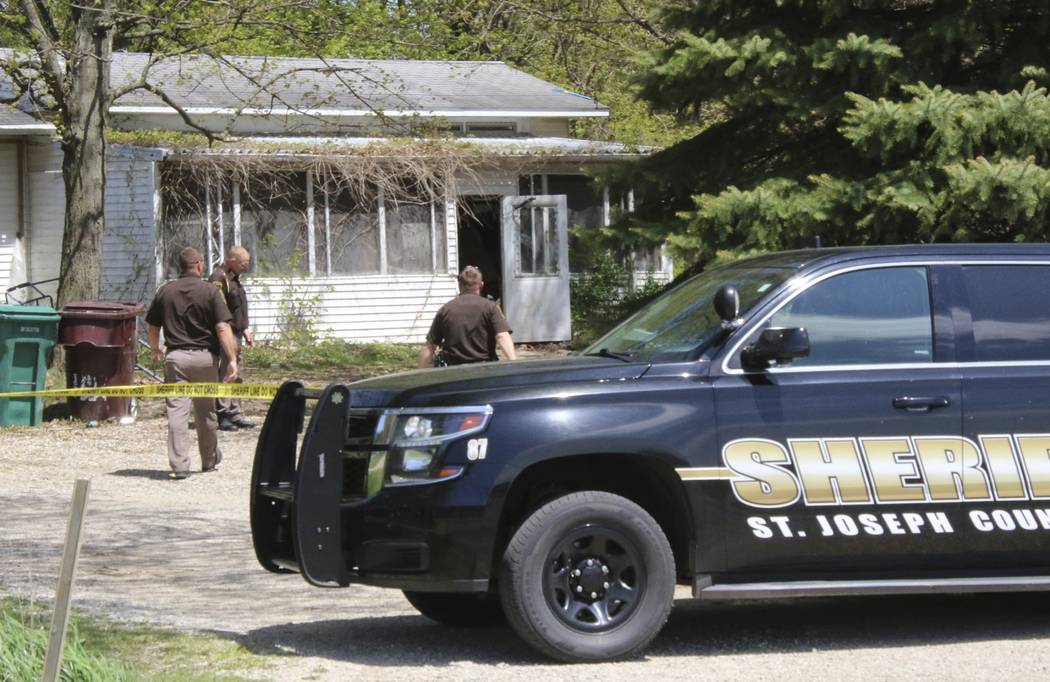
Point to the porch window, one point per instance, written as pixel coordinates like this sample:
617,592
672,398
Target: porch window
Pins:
273,224
648,259
295,224
350,236
413,242
185,215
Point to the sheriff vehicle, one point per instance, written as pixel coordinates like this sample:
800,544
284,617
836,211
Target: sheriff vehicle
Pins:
825,422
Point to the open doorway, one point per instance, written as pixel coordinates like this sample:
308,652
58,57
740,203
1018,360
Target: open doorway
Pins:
479,241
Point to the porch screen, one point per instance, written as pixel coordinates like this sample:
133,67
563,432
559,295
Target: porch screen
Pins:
414,242
353,235
648,259
184,219
278,215
273,223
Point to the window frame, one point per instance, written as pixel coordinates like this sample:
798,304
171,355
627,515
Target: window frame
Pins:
544,234
731,365
853,339
318,227
966,335
946,296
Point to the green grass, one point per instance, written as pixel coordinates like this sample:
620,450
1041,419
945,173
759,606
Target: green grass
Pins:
23,646
100,650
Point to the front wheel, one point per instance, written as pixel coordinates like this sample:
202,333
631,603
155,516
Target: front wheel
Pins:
588,577
457,608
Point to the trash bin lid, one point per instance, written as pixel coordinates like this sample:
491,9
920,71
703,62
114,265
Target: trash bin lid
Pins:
106,310
40,313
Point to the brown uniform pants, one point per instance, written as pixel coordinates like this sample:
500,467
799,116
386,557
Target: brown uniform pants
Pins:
188,366
230,408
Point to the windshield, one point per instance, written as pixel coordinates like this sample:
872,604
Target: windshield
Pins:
676,324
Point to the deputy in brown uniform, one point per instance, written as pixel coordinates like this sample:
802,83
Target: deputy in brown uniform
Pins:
228,279
469,327
196,325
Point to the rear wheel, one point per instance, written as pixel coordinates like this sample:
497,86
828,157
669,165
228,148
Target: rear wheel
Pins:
457,608
589,576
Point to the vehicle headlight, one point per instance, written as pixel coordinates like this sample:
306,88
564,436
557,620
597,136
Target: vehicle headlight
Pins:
417,427
417,440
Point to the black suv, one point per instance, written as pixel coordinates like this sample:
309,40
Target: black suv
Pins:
824,422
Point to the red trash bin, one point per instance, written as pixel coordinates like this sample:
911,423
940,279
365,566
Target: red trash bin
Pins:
99,338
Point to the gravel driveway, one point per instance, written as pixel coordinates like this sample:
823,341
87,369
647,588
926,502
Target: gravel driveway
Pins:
178,553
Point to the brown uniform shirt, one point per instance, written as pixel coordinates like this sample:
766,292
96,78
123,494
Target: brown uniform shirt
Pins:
236,300
188,309
466,329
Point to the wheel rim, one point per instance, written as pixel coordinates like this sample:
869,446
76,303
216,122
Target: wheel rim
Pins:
594,579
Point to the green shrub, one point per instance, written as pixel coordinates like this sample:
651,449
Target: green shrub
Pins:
602,296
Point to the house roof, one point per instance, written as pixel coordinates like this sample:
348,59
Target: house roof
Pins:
344,87
15,122
549,147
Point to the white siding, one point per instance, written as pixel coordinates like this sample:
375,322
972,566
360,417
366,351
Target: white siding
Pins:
9,212
663,275
640,279
374,308
452,235
129,245
547,127
7,256
46,212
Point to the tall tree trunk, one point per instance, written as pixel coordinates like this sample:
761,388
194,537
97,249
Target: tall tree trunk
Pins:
84,121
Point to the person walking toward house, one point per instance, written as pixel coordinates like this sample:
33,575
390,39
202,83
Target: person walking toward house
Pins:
469,327
227,278
196,324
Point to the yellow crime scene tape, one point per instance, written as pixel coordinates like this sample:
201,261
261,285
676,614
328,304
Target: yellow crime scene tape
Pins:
195,390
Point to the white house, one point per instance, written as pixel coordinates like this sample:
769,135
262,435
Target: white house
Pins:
22,138
361,187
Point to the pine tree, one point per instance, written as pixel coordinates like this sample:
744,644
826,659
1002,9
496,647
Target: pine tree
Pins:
859,121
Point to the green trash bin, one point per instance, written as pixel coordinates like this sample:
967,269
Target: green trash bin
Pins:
27,335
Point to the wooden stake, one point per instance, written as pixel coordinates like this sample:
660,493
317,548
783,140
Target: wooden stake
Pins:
70,554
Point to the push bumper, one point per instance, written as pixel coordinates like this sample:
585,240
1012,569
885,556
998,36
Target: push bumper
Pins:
319,514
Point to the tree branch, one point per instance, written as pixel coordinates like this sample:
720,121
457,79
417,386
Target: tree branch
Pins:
183,114
40,31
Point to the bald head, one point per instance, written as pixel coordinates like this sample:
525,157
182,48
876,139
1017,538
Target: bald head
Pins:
238,259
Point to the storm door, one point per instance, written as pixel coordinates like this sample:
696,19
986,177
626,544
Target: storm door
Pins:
536,267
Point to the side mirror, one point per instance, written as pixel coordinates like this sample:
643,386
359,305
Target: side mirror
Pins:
727,303
776,345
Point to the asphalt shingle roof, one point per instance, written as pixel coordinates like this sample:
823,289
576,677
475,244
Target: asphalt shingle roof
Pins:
13,121
345,84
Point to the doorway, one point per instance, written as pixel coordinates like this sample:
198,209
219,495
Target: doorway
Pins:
480,243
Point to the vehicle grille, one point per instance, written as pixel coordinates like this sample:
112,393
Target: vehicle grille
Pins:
355,475
361,427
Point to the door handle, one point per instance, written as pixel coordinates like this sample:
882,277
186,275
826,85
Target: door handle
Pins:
920,403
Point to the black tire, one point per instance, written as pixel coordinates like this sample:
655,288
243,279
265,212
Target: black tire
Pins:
457,608
572,610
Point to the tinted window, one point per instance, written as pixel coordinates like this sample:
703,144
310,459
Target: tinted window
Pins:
1011,311
866,317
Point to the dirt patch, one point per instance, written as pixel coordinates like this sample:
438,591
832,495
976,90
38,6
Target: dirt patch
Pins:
178,553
